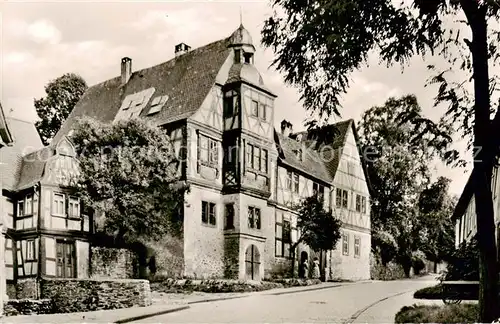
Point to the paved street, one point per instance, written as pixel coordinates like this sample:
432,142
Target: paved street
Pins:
375,302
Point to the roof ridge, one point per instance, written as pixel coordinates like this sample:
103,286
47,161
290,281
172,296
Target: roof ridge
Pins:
162,63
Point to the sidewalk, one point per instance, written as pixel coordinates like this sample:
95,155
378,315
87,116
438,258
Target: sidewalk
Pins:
123,315
162,304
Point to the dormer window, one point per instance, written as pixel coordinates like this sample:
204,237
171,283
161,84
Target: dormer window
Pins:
248,58
298,153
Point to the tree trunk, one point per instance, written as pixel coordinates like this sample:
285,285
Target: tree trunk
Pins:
435,267
489,309
293,263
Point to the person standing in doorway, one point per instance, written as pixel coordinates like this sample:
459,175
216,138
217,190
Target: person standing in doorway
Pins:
316,273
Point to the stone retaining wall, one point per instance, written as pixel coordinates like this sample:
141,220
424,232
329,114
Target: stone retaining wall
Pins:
81,295
14,307
112,263
27,289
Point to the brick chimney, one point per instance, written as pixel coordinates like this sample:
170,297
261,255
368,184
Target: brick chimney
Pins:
286,128
126,69
181,48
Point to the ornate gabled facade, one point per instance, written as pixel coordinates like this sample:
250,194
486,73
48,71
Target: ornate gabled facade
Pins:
46,231
242,173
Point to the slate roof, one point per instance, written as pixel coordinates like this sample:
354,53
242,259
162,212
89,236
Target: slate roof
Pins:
26,140
319,160
33,167
311,163
187,80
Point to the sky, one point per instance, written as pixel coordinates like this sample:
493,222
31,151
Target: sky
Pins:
40,41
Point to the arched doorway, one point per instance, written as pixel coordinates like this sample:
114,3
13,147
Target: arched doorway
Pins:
303,259
252,263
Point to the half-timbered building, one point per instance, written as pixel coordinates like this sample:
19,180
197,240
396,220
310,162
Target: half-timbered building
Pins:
45,229
242,173
464,214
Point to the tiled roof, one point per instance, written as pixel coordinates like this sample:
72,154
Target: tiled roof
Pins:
26,140
311,161
320,159
33,167
187,80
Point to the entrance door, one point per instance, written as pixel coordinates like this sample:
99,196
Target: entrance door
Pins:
252,263
66,259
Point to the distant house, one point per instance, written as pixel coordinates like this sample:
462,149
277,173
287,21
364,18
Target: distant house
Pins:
243,174
464,214
46,231
5,139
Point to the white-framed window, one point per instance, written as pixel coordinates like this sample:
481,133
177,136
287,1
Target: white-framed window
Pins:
208,151
283,235
255,108
258,109
73,207
363,205
28,207
358,203
256,158
58,204
25,206
345,244
208,213
345,199
20,207
338,198
357,246
30,250
254,217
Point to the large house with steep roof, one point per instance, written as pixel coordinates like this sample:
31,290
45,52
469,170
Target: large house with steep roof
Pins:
46,232
244,176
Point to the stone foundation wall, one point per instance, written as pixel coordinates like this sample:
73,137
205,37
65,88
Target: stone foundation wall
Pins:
168,256
14,307
231,257
11,291
27,289
81,295
281,268
112,263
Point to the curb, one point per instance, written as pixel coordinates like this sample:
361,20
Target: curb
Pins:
139,317
301,290
215,299
313,289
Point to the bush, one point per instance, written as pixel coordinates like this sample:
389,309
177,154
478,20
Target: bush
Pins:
464,313
293,282
464,263
211,286
418,265
434,292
